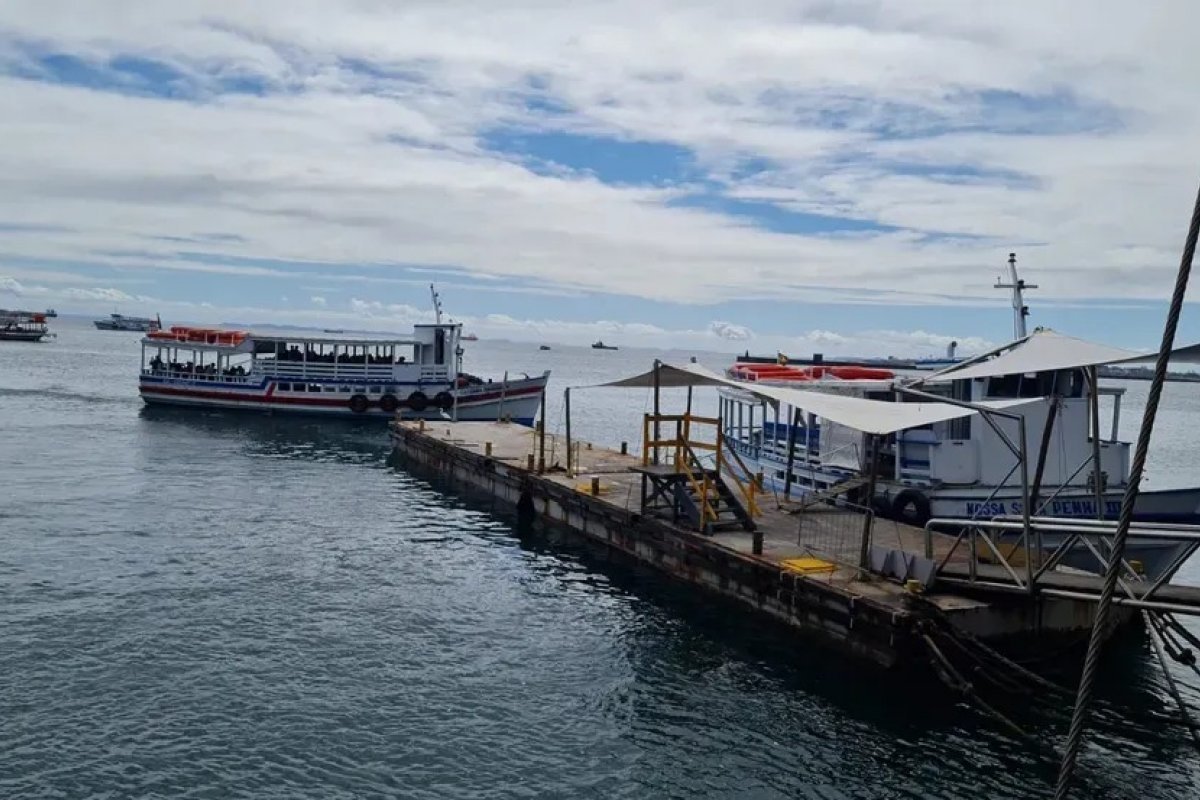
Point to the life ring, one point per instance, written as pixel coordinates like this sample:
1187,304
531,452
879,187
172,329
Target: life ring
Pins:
912,507
417,401
389,403
444,401
359,403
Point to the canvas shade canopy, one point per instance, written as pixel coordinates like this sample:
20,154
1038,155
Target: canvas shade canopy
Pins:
1045,350
868,416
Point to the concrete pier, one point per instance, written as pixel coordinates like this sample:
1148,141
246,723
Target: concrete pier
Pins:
806,574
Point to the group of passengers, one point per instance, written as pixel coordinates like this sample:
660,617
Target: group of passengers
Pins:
189,368
294,353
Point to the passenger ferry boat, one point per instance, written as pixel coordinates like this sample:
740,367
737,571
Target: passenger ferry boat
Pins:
119,322
420,376
23,326
961,468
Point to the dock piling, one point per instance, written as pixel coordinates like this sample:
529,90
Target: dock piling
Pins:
487,448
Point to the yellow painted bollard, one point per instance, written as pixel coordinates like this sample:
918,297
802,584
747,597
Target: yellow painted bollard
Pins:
487,448
595,487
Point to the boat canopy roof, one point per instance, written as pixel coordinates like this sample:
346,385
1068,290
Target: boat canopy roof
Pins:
1045,350
868,416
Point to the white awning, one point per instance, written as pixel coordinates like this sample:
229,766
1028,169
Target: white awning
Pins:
1046,351
868,416
670,377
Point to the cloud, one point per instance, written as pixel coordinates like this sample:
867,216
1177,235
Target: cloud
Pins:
730,331
107,295
890,152
11,286
318,301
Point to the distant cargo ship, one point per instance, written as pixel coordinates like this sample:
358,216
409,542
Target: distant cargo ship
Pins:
23,326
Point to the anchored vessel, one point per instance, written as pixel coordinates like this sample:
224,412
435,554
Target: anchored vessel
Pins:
23,326
119,322
961,468
420,376
602,346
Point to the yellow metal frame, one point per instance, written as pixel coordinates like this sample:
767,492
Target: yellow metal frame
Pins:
684,448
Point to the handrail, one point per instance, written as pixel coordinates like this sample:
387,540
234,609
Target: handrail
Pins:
751,503
700,487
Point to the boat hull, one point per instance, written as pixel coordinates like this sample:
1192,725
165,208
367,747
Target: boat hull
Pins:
515,400
22,336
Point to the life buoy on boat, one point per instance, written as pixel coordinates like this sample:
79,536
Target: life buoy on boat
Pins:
417,401
359,403
389,403
444,401
912,507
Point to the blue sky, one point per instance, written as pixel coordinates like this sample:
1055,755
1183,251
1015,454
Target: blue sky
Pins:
843,179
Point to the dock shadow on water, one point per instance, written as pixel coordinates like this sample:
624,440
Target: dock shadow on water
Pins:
875,732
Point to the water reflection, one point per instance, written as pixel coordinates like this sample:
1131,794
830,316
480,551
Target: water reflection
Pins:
303,437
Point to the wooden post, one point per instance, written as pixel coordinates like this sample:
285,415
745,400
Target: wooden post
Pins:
864,554
542,434
1055,399
487,448
657,388
567,411
791,452
1094,380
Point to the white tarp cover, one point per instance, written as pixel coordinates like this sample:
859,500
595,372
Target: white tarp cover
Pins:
868,416
1045,350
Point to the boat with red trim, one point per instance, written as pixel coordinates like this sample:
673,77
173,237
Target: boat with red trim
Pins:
419,376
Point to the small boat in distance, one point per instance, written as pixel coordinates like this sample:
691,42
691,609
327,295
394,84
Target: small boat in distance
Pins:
602,346
544,347
335,330
119,322
51,313
470,337
23,326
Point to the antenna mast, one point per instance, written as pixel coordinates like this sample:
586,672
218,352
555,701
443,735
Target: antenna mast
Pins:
1018,286
437,305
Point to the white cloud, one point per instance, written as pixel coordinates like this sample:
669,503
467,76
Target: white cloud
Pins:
11,286
783,101
318,301
730,331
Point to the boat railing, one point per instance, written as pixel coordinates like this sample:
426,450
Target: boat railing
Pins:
297,369
196,375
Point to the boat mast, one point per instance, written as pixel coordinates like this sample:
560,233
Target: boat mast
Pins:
437,305
1018,286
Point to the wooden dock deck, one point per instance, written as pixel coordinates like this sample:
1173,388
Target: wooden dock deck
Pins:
807,572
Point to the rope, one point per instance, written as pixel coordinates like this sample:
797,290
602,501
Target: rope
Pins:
1112,572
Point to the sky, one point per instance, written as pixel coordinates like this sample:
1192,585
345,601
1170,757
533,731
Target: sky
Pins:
846,178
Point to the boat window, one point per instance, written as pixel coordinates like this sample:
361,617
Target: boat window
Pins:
331,388
300,387
283,387
344,389
376,389
313,387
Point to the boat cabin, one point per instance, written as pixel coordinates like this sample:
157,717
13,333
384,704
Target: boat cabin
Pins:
430,356
966,451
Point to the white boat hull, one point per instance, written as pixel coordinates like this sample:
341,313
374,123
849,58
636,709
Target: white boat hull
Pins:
516,400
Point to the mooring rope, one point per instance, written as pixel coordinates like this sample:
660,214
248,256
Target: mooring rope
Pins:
1117,552
1155,636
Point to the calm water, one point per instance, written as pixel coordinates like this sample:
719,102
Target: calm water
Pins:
210,605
